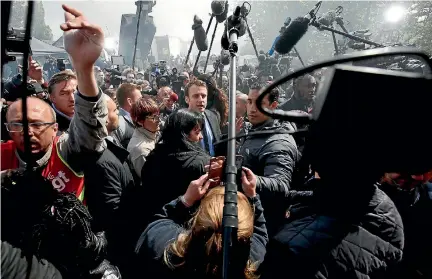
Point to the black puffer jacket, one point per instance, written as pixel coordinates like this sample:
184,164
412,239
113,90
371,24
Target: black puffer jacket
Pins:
336,240
271,157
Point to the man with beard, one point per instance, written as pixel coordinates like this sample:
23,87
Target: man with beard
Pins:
304,94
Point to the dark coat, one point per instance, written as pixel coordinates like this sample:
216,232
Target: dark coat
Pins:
165,176
15,264
159,234
271,157
126,128
214,123
106,180
359,237
63,122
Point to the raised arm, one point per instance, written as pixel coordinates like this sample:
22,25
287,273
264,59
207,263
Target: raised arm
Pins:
84,42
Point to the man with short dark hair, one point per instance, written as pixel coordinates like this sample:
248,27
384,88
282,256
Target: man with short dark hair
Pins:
196,98
304,93
271,157
127,94
62,87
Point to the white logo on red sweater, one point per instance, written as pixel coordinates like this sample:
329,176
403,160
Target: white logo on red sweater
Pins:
59,181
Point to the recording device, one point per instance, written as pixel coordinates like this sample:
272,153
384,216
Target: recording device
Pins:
223,16
335,137
12,89
14,44
200,35
61,65
218,7
292,34
115,77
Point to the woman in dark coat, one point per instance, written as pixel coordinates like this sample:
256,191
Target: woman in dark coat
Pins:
171,251
176,160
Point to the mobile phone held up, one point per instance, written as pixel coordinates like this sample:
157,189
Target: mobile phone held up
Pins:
217,167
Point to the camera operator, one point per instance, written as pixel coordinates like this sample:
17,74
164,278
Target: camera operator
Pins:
271,157
184,79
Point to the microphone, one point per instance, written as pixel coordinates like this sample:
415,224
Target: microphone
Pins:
292,35
200,35
221,18
218,8
225,57
327,19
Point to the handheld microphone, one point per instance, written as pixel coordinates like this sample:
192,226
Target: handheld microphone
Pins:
292,35
221,18
200,35
218,8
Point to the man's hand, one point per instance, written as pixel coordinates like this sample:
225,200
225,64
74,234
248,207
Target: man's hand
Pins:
83,41
35,71
249,182
196,190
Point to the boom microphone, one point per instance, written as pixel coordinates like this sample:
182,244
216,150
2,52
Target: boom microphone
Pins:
218,7
221,18
199,34
292,35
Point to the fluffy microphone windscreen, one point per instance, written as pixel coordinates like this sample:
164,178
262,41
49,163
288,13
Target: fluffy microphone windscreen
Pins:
221,18
218,7
200,35
292,34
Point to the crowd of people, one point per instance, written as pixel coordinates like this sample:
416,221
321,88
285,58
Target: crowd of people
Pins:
118,183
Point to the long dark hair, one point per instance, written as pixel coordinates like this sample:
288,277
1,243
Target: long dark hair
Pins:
217,99
175,134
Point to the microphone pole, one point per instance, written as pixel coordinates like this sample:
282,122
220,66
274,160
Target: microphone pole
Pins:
251,37
211,44
199,53
230,214
136,36
352,37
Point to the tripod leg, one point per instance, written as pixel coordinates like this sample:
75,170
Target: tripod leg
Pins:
211,44
335,44
298,54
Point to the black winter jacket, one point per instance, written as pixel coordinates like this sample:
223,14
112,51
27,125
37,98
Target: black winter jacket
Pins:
166,175
15,265
159,234
330,239
106,180
272,158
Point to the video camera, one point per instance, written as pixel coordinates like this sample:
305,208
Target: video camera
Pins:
12,92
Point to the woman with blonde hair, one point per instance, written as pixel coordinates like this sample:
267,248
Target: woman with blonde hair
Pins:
174,252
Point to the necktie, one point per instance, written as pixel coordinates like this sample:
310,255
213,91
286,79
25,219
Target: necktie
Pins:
207,142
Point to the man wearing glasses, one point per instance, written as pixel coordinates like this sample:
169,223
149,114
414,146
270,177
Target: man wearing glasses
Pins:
59,158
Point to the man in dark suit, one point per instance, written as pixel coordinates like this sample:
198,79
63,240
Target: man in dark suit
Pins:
127,94
196,98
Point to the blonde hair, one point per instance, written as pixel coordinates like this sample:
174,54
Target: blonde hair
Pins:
200,247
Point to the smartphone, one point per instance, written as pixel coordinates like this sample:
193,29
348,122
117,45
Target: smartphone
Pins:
215,171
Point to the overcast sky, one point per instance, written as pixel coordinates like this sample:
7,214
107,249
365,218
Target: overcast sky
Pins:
171,17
